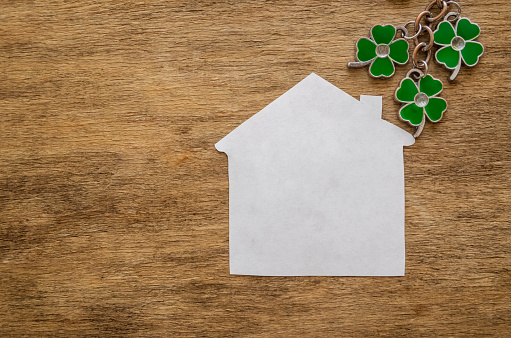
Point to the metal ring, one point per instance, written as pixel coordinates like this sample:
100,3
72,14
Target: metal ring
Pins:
454,14
419,17
416,32
415,51
431,39
418,48
415,70
444,8
404,31
423,64
457,14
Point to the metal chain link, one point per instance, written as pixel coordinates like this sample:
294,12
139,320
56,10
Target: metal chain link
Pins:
423,27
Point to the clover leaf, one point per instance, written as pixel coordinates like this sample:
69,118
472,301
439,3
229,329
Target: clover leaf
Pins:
458,45
421,100
382,51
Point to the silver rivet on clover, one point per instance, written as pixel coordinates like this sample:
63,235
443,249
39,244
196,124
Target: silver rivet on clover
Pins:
458,43
382,51
421,100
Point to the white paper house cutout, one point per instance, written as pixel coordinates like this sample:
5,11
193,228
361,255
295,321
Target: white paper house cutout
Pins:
316,187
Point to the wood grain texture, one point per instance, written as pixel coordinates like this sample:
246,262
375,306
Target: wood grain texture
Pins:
114,202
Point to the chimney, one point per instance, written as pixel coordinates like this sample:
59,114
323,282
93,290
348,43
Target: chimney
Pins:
373,105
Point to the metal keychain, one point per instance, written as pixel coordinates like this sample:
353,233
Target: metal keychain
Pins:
388,45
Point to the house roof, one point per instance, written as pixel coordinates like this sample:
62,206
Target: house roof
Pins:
314,99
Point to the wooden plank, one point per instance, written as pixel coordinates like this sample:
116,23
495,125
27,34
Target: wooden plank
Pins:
114,203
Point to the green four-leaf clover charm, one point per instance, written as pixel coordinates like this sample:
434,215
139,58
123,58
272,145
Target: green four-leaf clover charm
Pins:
381,51
420,99
458,45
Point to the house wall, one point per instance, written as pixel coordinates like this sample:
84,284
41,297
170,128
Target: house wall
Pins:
307,208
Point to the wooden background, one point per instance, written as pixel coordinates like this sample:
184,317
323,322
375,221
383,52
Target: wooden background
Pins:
114,202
